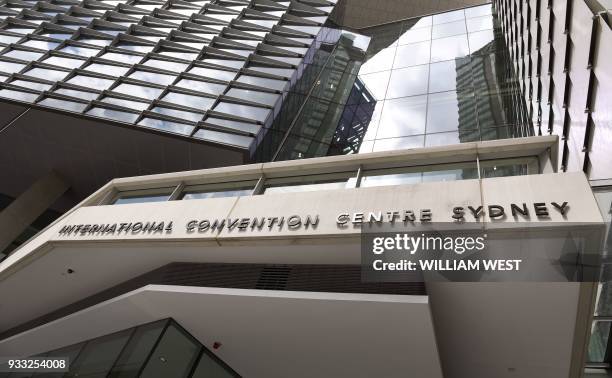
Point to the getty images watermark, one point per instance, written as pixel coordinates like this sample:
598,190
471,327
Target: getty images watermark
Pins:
440,252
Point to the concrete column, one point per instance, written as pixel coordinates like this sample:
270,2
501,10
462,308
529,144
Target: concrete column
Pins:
24,210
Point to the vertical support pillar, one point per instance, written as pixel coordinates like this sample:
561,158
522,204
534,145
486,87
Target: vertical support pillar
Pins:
24,210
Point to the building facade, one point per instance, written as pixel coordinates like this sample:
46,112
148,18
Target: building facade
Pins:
256,141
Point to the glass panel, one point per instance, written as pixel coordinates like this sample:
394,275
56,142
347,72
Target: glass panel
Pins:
138,91
256,96
46,74
124,58
376,84
23,55
18,95
412,55
415,35
382,61
107,69
236,189
408,81
174,355
63,62
448,29
479,23
71,352
137,350
77,94
449,48
480,39
31,85
62,104
98,356
505,167
77,50
393,144
143,196
311,183
192,101
113,114
225,62
263,82
250,112
215,74
449,111
45,45
190,116
179,128
91,82
449,75
415,175
166,65
135,105
208,367
203,86
600,332
226,138
152,77
10,67
402,117
448,17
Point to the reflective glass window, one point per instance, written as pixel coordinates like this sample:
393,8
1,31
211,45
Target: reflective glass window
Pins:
143,196
448,17
415,35
173,356
98,355
77,94
166,65
311,183
152,77
46,45
449,48
412,54
113,114
135,353
107,69
449,111
192,101
263,82
245,111
10,67
18,95
376,84
449,29
203,86
63,104
23,55
174,127
64,62
256,96
77,50
46,74
233,189
392,144
408,81
135,105
90,82
138,90
31,85
189,116
215,74
225,138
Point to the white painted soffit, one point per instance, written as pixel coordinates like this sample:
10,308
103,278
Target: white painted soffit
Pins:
269,334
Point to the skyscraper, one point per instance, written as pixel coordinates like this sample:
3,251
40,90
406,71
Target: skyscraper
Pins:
187,186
